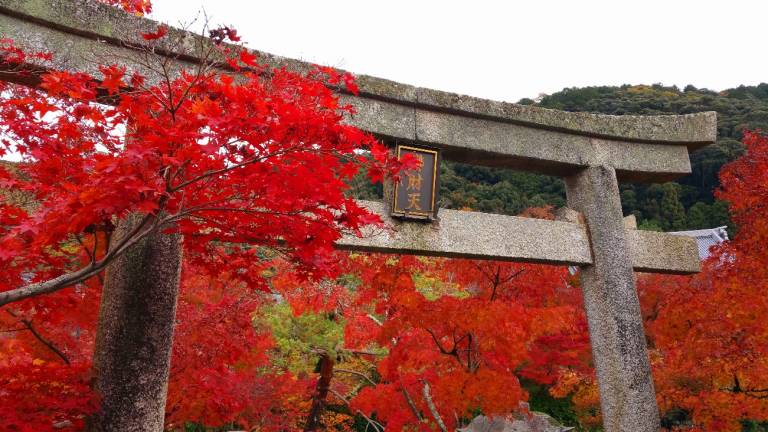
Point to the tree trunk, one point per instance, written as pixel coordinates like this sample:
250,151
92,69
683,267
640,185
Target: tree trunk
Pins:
135,333
321,393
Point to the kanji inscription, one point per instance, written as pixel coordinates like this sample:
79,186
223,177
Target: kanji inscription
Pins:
415,195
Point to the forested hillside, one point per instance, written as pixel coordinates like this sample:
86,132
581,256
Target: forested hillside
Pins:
685,204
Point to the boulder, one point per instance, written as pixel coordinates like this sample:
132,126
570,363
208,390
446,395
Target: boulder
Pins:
530,421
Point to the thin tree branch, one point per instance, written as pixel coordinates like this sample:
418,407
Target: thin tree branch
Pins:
376,425
439,345
432,408
356,373
50,345
411,404
376,320
361,352
85,273
339,396
91,254
210,173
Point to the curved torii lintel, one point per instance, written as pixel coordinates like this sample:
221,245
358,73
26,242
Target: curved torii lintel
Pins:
468,129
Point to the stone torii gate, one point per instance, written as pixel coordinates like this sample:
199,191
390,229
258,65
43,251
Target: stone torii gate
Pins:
593,153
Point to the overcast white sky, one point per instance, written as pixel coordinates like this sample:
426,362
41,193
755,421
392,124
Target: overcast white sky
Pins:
507,50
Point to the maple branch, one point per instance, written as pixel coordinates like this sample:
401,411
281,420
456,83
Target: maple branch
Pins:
87,251
356,373
211,173
432,408
91,255
439,345
95,246
28,326
473,361
45,341
172,108
49,286
376,320
411,404
376,425
482,270
456,342
361,352
68,279
192,210
339,396
512,276
496,283
746,391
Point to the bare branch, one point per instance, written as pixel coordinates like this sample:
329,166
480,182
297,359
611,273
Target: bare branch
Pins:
211,173
439,345
356,373
361,352
376,320
411,404
50,345
51,285
141,231
432,408
339,396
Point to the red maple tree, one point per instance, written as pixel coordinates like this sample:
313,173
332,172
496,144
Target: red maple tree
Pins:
457,334
707,332
214,159
243,169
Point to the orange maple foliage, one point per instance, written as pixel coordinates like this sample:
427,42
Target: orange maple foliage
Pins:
709,331
456,331
707,334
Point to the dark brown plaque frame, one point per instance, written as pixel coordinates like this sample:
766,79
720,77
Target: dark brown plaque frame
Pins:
419,215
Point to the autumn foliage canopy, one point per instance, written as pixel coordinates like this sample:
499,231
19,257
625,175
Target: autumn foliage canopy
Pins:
276,330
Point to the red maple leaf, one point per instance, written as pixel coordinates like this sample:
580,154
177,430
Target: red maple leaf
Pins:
161,31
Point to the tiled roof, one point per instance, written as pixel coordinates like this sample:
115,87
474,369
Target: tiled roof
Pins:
706,238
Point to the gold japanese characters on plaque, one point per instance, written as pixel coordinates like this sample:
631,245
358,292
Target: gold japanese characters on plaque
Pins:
415,195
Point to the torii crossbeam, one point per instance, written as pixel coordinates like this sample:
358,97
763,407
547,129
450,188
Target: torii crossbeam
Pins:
593,153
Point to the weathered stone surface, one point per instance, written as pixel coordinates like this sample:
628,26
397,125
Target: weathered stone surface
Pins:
640,148
567,214
135,333
509,145
627,396
490,236
532,422
663,253
385,119
494,143
95,20
630,222
76,52
692,130
476,235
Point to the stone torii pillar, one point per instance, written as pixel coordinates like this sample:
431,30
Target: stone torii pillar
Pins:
591,152
627,396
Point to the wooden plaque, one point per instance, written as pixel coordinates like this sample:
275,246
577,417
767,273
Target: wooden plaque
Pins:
415,195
